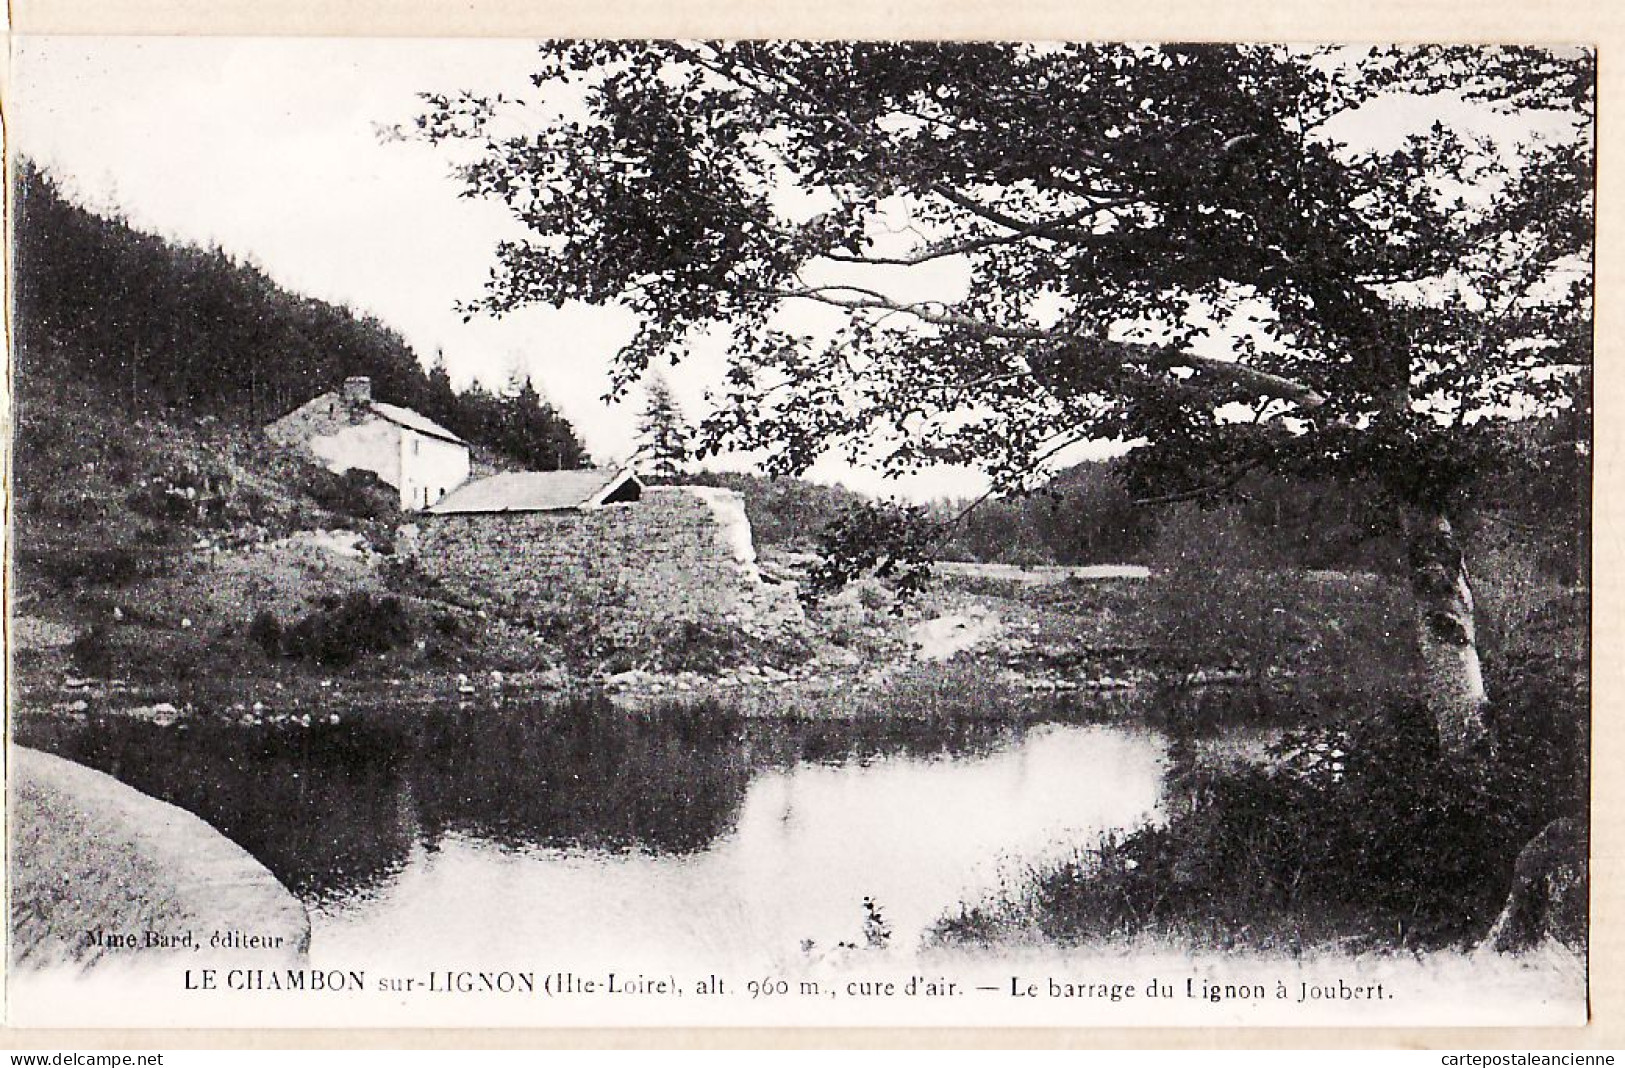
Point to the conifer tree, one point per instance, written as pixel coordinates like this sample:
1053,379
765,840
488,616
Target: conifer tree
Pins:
664,437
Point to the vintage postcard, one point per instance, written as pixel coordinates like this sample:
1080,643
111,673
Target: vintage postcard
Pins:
527,533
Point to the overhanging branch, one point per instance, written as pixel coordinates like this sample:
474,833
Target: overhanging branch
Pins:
1126,353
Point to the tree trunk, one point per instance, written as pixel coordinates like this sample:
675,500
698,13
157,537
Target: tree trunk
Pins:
1453,677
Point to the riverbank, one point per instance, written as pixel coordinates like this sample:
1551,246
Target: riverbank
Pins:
986,642
103,873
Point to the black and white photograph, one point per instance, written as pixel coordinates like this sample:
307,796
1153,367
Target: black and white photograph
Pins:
840,533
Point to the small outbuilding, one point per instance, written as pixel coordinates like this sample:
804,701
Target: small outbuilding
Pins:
347,430
543,491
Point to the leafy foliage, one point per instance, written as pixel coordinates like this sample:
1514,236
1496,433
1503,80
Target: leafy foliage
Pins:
1111,211
340,632
885,539
1359,830
357,494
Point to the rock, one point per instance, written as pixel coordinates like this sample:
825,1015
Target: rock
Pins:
1550,892
944,637
162,713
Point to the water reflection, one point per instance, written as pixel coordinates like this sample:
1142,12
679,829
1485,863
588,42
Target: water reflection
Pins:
319,806
555,776
576,827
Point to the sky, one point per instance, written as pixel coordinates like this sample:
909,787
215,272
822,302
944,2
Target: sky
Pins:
270,148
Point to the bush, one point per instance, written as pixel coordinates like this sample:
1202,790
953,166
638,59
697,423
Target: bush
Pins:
892,542
1362,830
355,494
337,634
111,565
160,500
689,646
266,632
92,650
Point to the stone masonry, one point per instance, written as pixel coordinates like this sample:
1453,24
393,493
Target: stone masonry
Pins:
680,554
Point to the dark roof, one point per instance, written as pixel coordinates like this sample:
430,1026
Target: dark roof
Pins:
534,491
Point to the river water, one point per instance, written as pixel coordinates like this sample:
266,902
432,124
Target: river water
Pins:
502,830
555,838
791,864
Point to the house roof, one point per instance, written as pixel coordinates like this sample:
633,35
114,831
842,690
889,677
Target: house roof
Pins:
534,491
411,420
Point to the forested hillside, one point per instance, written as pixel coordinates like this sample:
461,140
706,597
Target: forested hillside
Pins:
157,323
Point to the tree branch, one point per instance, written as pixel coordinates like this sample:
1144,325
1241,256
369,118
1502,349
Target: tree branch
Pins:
1131,354
929,254
1198,493
1054,229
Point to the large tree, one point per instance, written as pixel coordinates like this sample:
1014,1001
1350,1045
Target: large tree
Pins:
1015,248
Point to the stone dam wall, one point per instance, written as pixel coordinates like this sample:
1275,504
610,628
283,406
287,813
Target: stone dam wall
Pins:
680,554
89,854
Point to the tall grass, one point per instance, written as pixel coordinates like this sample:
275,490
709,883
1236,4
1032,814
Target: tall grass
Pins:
1359,832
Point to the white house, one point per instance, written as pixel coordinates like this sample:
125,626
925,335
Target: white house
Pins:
348,430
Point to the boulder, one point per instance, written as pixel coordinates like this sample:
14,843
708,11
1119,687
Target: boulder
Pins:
1550,892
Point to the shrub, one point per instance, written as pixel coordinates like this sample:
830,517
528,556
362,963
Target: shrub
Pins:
893,542
160,499
111,565
338,633
1361,830
355,494
686,645
266,632
92,650
161,534
185,494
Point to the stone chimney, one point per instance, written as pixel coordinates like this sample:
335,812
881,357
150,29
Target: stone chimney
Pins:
357,392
